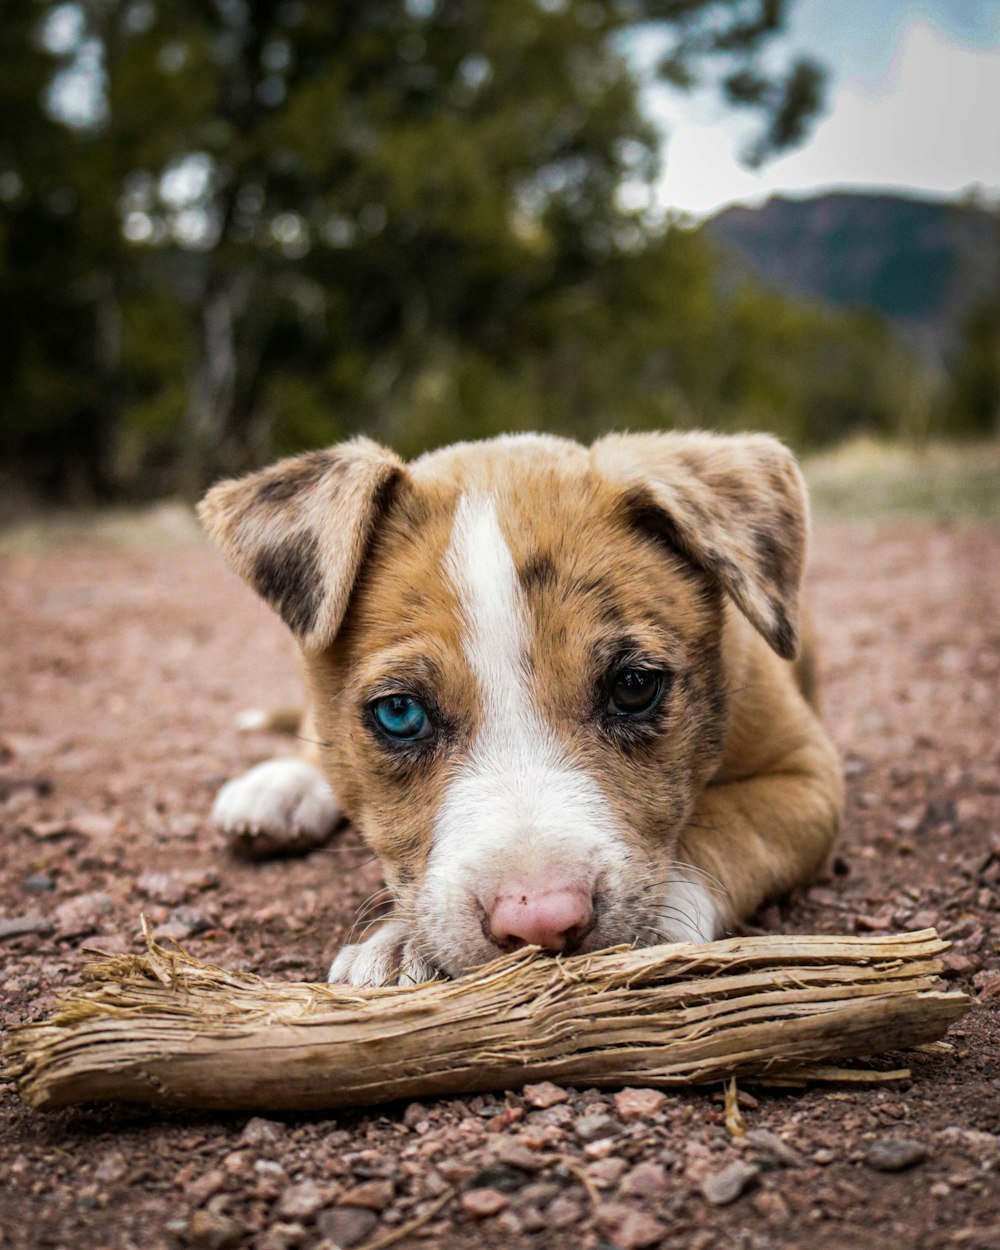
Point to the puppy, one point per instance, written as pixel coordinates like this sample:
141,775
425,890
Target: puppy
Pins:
555,687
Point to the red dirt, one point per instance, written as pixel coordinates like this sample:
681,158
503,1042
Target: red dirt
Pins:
123,673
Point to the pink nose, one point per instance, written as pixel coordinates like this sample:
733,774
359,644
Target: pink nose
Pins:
551,918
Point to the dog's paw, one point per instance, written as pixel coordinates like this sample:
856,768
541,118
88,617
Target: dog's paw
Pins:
692,910
388,957
281,807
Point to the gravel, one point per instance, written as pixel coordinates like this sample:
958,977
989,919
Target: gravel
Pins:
126,709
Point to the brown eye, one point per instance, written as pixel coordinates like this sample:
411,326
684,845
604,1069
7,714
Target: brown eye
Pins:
634,691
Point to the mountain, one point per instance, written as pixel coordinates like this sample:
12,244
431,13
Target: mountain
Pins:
923,264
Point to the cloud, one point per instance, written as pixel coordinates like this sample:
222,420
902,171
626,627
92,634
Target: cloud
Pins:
929,123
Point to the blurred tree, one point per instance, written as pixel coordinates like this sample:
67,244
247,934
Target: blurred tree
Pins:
973,405
233,228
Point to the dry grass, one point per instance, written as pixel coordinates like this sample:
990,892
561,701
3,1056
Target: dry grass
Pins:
166,1029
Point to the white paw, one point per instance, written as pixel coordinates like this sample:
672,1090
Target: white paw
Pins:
691,910
388,957
279,807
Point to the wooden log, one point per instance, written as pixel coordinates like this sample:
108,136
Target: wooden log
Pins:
165,1029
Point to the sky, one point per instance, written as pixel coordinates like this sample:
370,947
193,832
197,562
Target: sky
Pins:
913,104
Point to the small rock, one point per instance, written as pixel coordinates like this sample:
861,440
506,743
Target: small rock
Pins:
562,1212
163,887
514,1154
259,1132
594,1126
208,1231
544,1094
646,1180
302,1201
183,922
955,964
25,926
895,1154
80,916
346,1226
95,825
635,1104
482,1203
282,1236
606,1171
773,1149
39,883
373,1195
415,1113
629,1229
111,1168
206,1186
726,1185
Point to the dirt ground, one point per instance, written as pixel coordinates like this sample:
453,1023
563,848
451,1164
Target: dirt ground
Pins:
123,668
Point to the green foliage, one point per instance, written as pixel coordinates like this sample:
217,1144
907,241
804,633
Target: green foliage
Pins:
975,393
231,230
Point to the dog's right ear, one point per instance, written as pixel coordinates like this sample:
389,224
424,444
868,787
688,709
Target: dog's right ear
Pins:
298,531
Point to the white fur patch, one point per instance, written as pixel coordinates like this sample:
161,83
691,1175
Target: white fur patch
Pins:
517,812
280,798
386,958
689,911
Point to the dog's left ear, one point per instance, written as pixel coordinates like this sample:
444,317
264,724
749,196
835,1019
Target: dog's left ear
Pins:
298,531
733,505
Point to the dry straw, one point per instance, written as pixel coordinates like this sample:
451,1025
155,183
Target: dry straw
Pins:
164,1028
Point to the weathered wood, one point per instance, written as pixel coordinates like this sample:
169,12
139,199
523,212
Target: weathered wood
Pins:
165,1029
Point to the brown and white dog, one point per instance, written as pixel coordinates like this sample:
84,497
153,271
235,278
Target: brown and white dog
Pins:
555,687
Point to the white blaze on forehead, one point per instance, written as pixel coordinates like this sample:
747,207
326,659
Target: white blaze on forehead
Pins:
518,812
497,632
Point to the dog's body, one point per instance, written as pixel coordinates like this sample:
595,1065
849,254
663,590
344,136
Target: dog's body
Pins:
555,687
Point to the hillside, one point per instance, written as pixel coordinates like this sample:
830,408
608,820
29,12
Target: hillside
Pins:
920,263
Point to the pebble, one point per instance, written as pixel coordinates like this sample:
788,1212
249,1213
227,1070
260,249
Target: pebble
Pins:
302,1201
595,1126
24,926
628,1228
513,1153
182,923
544,1094
606,1171
282,1236
204,1187
208,1231
259,1132
729,1183
112,1167
636,1104
772,1148
39,882
374,1195
895,1154
81,916
955,964
163,887
646,1180
562,1212
346,1226
482,1203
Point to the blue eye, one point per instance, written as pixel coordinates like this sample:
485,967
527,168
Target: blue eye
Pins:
401,716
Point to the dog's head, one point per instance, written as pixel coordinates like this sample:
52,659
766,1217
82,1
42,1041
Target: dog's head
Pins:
515,652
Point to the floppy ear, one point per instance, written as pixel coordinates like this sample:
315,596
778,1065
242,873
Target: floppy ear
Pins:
298,531
734,505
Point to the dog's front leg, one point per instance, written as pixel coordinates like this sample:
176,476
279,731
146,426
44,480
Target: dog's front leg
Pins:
754,839
283,806
388,957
